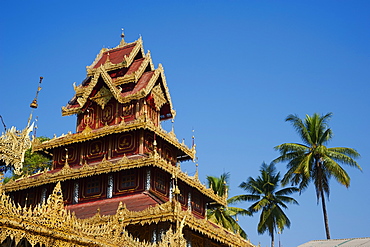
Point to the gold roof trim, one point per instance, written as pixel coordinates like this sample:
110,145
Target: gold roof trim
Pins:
126,61
135,76
88,134
173,212
106,166
50,224
138,48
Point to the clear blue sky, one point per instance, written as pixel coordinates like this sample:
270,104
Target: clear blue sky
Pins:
235,70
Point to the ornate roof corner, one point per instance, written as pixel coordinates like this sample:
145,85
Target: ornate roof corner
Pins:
13,146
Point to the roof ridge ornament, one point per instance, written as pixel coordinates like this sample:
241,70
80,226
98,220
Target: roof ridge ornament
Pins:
123,42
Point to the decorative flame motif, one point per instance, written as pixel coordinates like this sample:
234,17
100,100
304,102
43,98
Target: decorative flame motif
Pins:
13,145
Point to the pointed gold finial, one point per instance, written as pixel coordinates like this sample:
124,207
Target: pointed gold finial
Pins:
122,43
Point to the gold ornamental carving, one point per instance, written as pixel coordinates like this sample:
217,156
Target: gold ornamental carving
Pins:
140,123
102,97
83,93
13,145
106,166
50,224
159,98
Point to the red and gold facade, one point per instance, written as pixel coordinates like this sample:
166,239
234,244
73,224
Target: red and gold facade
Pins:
120,169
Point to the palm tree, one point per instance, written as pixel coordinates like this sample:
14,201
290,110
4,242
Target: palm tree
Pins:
313,161
219,214
267,199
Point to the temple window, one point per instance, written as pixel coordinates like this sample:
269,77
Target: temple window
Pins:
160,182
182,196
92,186
128,179
197,206
147,180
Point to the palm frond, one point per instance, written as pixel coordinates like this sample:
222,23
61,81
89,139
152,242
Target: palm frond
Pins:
243,198
300,128
344,155
335,170
286,191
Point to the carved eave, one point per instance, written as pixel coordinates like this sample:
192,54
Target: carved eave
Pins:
89,134
107,166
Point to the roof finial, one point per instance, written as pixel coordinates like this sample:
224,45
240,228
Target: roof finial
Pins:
193,138
122,43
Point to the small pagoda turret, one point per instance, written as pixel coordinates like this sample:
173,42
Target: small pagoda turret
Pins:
120,164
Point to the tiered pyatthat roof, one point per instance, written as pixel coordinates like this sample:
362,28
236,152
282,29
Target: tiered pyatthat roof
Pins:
129,75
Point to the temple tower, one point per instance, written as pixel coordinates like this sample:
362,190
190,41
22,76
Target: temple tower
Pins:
120,162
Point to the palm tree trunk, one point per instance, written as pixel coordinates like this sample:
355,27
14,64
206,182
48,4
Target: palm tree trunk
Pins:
272,239
326,220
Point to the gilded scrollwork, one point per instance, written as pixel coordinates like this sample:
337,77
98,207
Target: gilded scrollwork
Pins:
102,97
106,166
89,134
13,145
50,224
159,98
